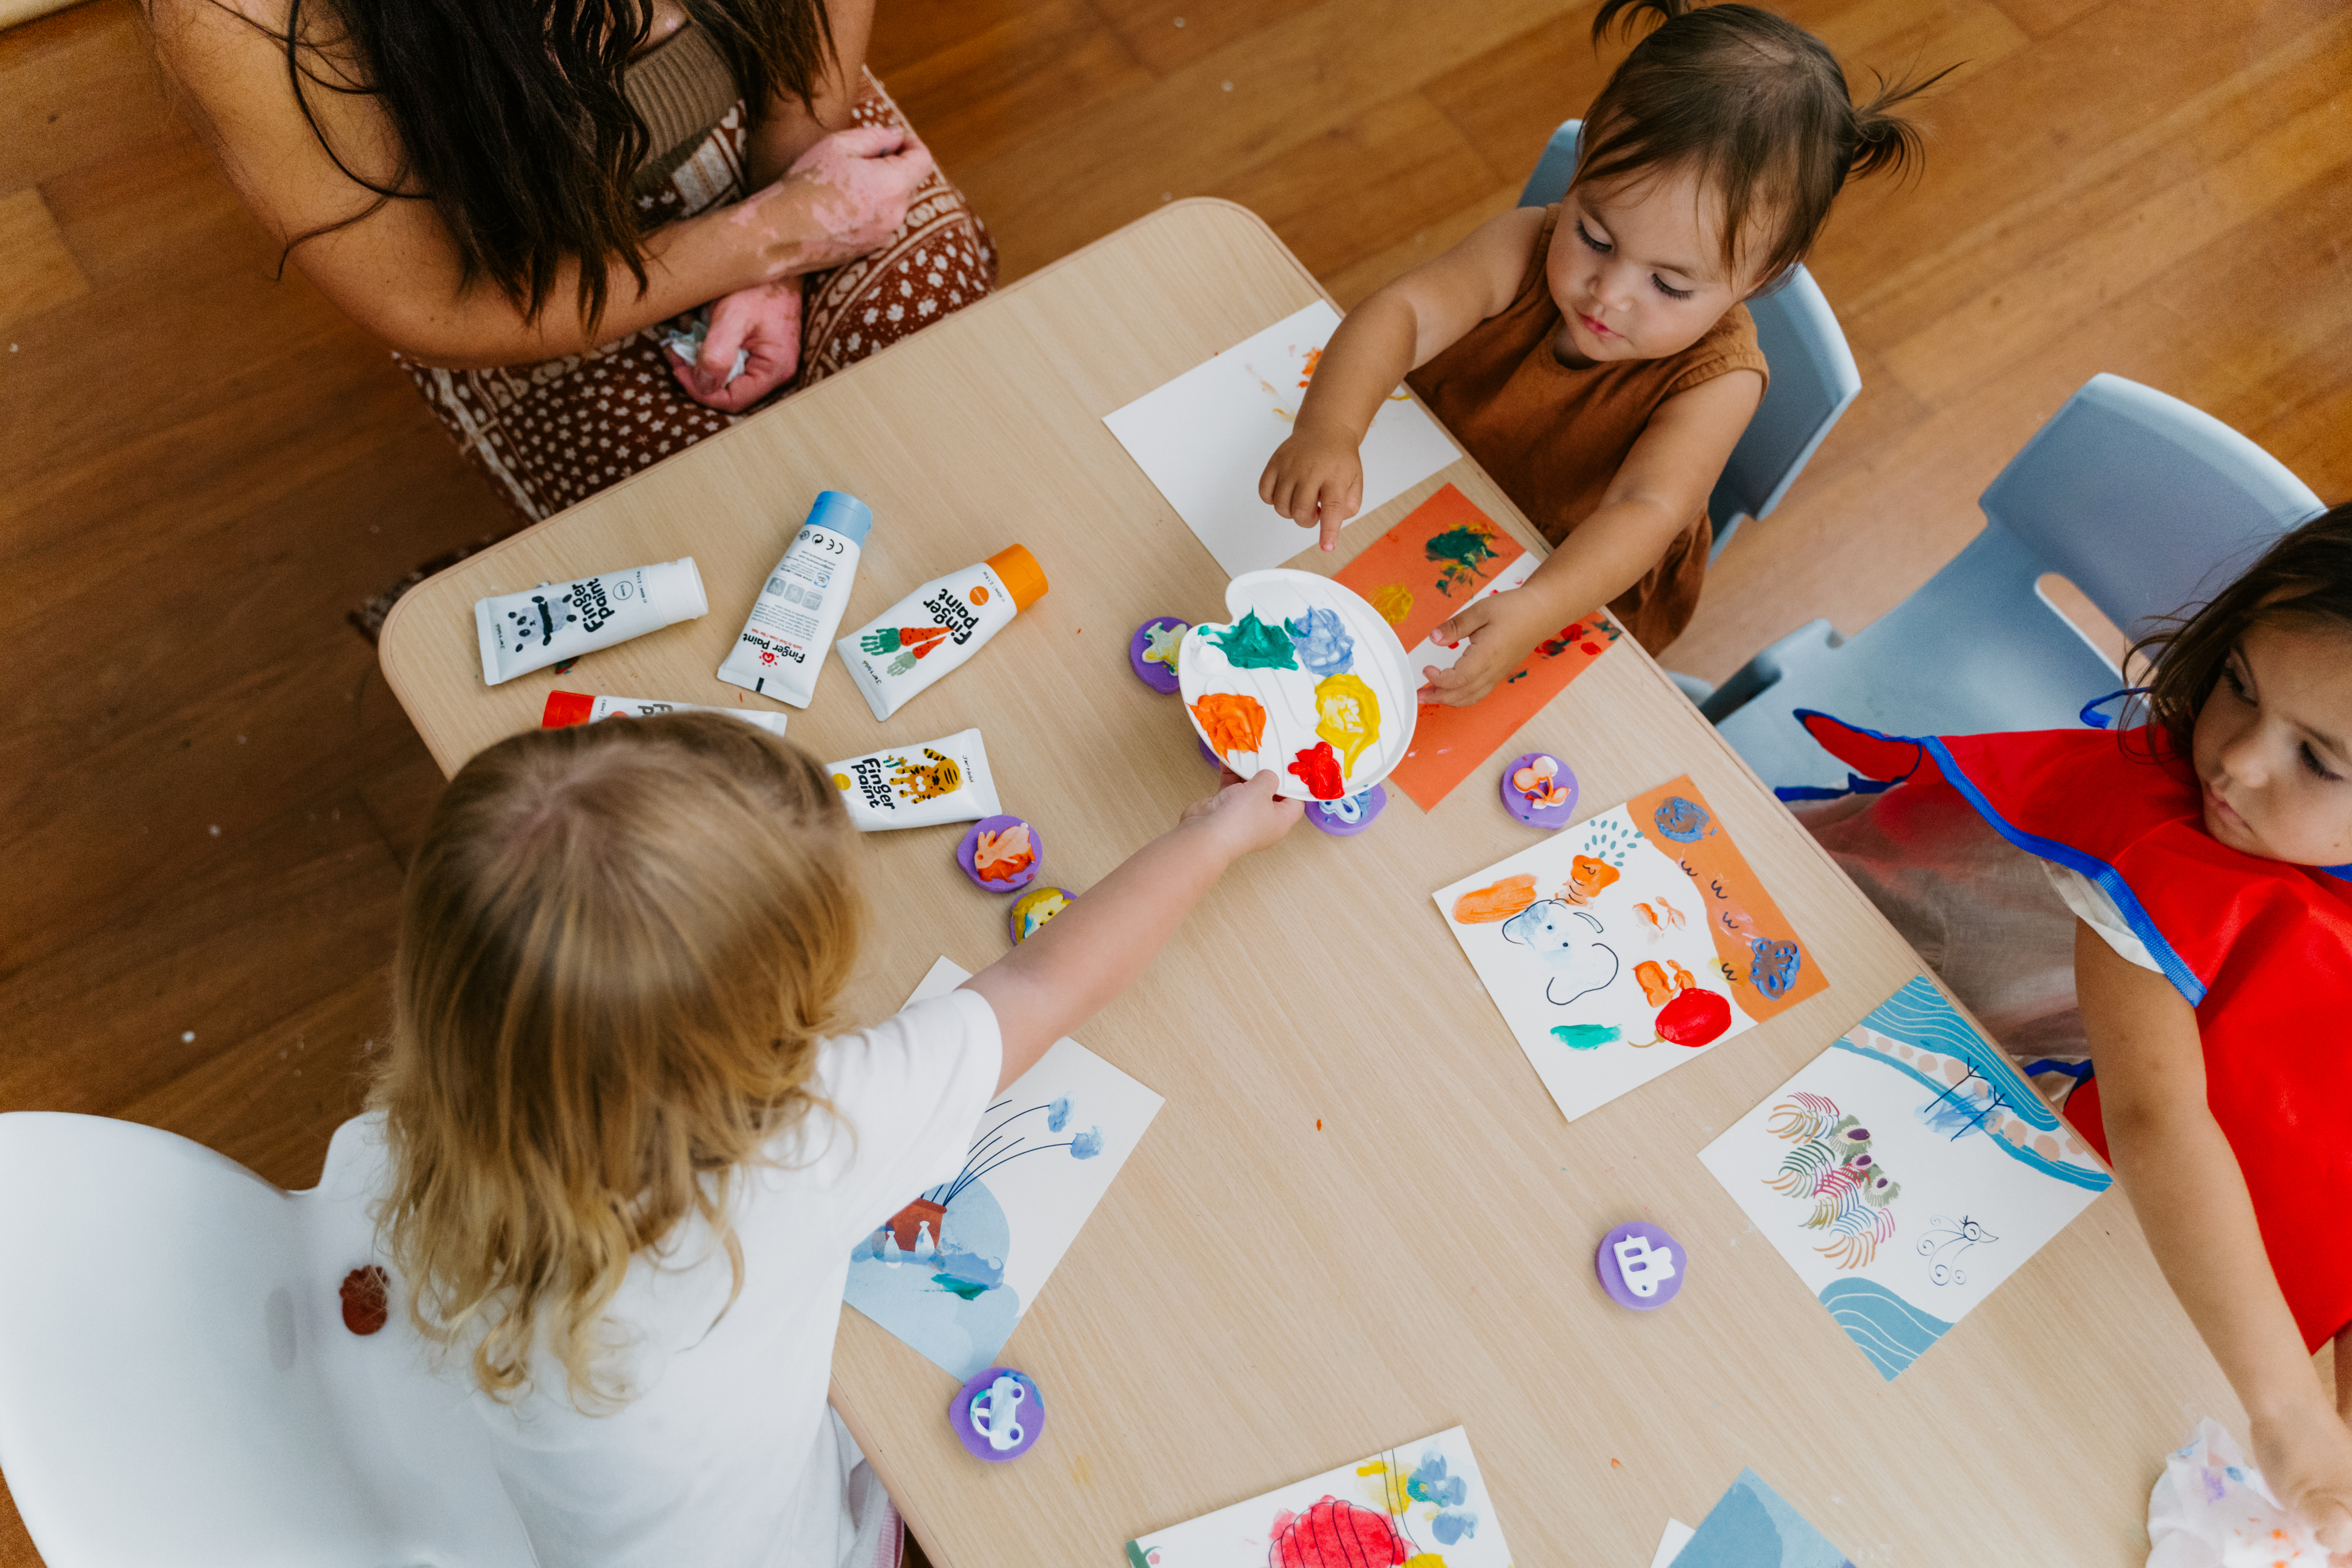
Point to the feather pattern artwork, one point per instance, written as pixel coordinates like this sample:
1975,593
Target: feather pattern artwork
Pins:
1852,1194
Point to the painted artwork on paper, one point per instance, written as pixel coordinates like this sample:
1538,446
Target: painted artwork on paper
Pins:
1421,1505
1204,439
1444,553
951,1272
1623,947
1753,1526
1306,679
1906,1172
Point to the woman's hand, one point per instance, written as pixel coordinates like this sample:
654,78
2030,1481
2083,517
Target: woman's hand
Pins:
1502,629
2306,1458
1314,478
840,199
763,322
1244,815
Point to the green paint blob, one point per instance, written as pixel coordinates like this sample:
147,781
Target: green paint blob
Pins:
967,1289
1250,643
1460,552
1586,1035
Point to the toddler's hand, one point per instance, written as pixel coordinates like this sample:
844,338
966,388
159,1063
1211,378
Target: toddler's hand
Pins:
854,188
763,322
1314,478
1501,629
1245,815
2307,1460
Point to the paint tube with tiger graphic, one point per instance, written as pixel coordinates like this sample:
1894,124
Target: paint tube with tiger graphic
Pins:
943,780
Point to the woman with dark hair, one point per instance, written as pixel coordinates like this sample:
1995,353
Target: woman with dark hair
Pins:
2158,927
593,233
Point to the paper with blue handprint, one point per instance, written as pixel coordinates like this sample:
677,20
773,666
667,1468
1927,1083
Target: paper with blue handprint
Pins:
1627,943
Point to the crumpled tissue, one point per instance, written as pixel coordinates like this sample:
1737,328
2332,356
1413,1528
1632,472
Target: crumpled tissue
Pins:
2211,1508
689,344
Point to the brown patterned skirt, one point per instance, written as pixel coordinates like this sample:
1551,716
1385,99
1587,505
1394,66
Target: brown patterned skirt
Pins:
552,434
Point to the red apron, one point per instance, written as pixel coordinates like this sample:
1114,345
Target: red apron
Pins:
2260,949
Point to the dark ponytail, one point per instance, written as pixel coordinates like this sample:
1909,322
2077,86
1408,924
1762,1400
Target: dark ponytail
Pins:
512,120
1758,106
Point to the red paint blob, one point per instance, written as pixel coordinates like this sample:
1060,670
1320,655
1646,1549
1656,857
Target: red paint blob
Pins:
1335,1534
367,1299
1695,1017
1318,768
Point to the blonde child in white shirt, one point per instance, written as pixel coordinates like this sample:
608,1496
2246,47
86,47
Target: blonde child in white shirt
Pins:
623,1166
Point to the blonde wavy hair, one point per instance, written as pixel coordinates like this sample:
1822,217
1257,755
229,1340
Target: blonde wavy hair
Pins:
618,946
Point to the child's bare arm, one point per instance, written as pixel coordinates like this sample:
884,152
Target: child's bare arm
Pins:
2185,1185
1314,478
1659,487
1093,950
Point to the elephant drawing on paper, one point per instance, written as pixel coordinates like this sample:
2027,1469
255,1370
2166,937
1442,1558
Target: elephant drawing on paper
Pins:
1579,965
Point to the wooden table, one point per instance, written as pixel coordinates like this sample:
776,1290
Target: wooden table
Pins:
1257,1300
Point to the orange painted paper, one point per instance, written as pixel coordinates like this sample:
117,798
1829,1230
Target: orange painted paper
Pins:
1448,743
1739,911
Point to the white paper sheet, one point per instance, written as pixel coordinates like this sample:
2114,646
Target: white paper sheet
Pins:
1671,1544
1204,438
1417,1503
1905,1173
1043,1157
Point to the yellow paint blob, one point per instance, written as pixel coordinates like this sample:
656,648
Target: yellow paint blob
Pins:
1384,1486
1347,715
1394,602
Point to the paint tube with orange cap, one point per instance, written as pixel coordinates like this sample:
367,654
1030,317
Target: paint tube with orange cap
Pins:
938,627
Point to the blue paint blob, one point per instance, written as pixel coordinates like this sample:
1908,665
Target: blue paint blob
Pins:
1683,821
1057,1115
1451,1525
1321,642
1086,1144
1773,965
1430,1484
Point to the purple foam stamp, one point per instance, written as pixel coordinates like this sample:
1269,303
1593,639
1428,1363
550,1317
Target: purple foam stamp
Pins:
1151,652
1641,1266
998,1416
1539,790
1016,854
1350,815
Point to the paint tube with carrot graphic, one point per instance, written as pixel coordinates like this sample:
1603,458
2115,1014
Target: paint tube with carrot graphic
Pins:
940,625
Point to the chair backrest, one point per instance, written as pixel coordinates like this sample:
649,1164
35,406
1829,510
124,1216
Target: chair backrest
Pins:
1813,379
2141,501
176,1383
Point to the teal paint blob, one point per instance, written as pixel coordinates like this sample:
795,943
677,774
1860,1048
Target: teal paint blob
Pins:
1250,643
1586,1035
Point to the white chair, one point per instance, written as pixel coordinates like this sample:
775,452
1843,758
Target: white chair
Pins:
2146,505
176,1383
1813,379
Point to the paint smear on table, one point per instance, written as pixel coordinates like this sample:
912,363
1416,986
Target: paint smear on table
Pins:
1623,947
1905,1173
1421,1504
1205,438
1422,572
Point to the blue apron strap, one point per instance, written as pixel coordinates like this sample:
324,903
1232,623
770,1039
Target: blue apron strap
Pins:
2091,716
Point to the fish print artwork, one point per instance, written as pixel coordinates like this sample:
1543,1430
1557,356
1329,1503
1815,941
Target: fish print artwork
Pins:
1905,1173
1421,1504
1620,947
1307,679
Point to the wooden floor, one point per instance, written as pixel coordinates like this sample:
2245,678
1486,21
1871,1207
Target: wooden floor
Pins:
209,796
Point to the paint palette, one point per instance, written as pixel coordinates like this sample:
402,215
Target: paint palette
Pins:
1307,679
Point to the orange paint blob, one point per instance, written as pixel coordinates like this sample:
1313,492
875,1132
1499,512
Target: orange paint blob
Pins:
1233,722
1586,877
1655,989
1485,905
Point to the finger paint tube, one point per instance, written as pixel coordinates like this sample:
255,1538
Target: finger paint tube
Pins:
938,627
545,625
797,613
567,709
944,781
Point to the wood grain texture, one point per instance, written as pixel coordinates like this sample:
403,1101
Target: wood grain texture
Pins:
204,466
1258,1297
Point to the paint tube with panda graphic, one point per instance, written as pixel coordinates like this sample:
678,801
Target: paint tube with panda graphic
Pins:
545,625
944,781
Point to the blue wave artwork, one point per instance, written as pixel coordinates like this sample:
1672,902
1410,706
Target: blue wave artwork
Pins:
1891,1331
951,1305
1754,1527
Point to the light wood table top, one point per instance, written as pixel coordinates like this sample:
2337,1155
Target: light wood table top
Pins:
1255,1299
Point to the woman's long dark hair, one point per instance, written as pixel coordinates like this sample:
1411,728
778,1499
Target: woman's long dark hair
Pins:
512,122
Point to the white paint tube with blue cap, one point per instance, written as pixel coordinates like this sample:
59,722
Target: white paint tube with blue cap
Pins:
793,620
545,625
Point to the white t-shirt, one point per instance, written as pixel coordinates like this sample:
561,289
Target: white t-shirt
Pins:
728,1456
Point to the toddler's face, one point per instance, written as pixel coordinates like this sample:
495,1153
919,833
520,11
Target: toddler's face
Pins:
1637,269
2273,747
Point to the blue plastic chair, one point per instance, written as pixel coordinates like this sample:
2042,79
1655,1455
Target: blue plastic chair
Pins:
2146,505
1813,375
